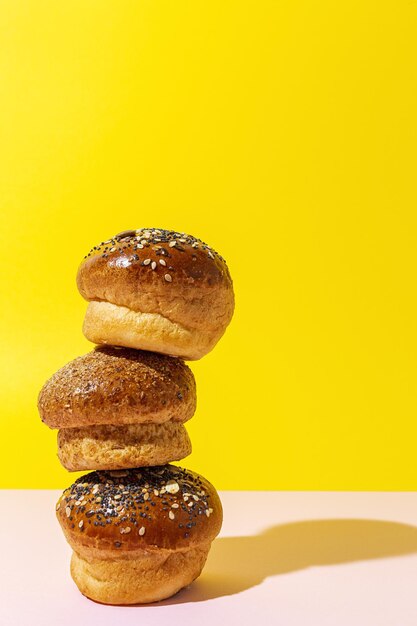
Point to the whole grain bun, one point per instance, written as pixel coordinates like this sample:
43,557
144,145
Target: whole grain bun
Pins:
116,386
119,447
156,290
138,535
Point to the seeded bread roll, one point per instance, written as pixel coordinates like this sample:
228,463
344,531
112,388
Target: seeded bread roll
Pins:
138,535
118,447
157,290
117,386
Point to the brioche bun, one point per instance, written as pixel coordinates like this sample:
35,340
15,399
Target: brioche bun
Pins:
157,290
138,535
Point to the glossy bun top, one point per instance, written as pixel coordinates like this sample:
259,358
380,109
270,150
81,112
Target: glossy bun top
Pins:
162,507
165,273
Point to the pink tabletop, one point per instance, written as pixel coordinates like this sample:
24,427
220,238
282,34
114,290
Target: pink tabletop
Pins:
284,558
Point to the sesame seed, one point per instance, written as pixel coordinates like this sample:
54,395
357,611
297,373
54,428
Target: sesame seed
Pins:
125,531
146,496
117,496
99,499
190,503
58,506
168,278
81,524
207,513
172,486
146,261
172,244
67,511
162,262
156,492
142,531
211,255
171,515
153,265
175,505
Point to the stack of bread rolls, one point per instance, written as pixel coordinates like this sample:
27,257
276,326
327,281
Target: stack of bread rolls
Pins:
140,528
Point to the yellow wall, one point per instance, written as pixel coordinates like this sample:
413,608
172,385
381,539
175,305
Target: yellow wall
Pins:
284,135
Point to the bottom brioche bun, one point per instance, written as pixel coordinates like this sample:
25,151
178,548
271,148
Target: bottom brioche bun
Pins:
149,577
119,447
107,323
138,535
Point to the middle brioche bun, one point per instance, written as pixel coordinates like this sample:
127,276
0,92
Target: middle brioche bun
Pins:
117,386
118,408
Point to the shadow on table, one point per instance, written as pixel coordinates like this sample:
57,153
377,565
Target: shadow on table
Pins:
238,563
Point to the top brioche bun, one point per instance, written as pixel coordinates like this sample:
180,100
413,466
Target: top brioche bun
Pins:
157,290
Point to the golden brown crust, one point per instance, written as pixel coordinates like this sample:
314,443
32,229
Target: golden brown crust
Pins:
162,272
118,386
107,323
116,514
109,447
150,577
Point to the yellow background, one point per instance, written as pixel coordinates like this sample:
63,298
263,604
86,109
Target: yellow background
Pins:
282,133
